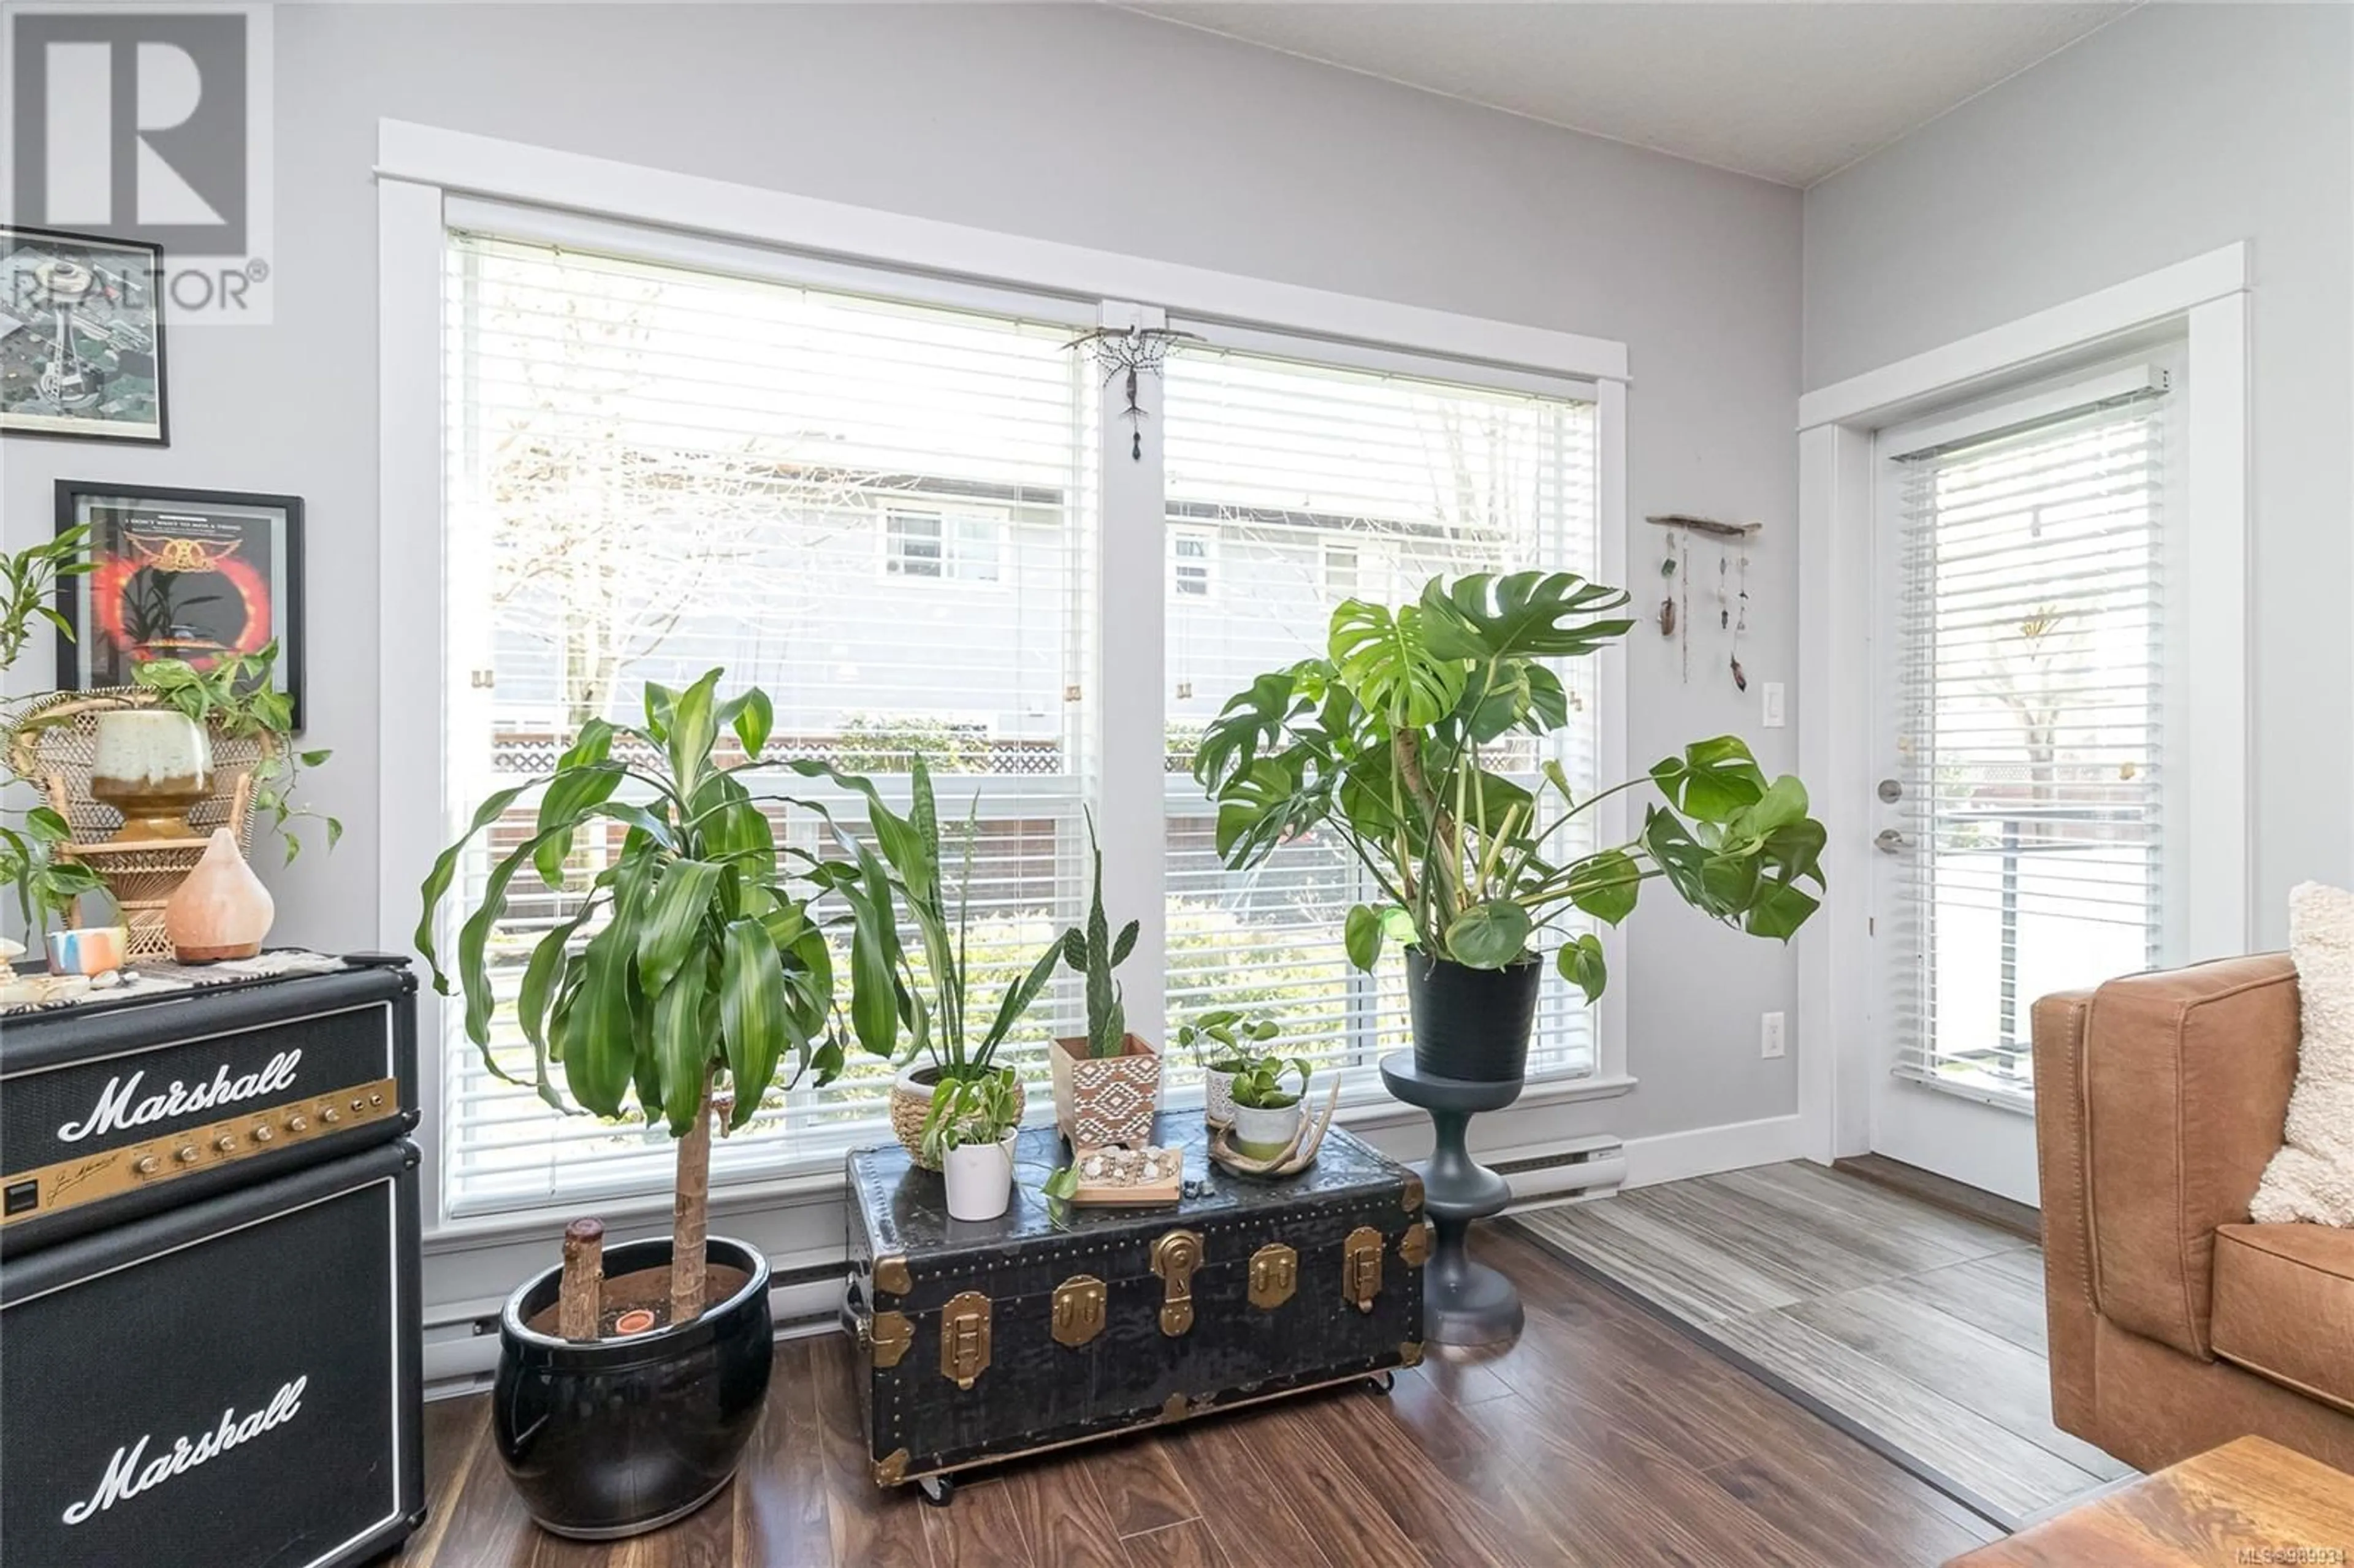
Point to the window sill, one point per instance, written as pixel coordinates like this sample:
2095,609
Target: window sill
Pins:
1367,1109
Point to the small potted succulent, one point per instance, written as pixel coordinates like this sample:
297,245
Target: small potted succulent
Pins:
1221,1041
918,1019
969,1136
1267,1114
1108,1082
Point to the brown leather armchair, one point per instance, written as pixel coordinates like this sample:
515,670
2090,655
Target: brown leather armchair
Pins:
2176,1325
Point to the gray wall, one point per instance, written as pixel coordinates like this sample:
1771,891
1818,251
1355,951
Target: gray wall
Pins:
1084,124
2177,129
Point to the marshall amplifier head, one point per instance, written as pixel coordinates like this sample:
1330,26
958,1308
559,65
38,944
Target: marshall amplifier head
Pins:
108,1113
232,1384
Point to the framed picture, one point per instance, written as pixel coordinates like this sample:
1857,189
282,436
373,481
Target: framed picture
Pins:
199,574
82,337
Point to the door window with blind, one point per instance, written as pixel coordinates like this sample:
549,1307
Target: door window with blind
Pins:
2030,692
886,513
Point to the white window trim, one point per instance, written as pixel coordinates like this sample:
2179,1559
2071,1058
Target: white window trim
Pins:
2203,301
428,178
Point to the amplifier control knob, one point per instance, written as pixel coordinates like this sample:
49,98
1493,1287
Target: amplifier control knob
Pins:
298,1125
226,1143
146,1165
262,1135
329,1115
185,1154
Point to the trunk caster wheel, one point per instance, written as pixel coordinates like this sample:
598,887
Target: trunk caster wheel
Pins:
1380,1382
937,1490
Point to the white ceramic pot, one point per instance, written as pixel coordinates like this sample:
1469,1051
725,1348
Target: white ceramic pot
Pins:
151,764
1218,1095
979,1178
1264,1134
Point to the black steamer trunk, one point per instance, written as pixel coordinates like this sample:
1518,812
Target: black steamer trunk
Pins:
232,1384
988,1339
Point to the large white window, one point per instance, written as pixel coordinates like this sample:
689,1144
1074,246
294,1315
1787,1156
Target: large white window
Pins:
1325,484
655,467
2030,696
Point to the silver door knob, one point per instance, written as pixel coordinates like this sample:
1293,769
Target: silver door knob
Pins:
1890,842
1891,790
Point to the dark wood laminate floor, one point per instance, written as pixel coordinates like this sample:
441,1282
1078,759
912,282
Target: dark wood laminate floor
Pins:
1602,1437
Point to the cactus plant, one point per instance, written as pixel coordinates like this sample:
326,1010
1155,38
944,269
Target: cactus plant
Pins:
1095,953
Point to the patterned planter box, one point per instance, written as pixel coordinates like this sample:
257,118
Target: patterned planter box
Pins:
1105,1099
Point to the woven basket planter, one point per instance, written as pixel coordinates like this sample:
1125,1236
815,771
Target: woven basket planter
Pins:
1100,1100
911,1103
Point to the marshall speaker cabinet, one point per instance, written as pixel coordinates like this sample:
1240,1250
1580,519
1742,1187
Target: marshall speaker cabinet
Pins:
987,1341
209,1327
109,1112
232,1384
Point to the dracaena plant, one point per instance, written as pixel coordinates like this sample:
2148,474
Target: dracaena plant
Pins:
693,960
1401,740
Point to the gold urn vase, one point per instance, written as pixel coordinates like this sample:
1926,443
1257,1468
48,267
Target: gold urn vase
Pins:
151,764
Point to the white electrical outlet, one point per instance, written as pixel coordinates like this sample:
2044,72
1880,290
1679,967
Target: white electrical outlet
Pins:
1773,705
1769,1036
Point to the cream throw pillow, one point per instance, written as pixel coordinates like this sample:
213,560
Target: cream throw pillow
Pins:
2313,1176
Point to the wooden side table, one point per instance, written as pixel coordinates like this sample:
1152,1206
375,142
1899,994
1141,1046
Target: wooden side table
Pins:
1464,1303
2250,1500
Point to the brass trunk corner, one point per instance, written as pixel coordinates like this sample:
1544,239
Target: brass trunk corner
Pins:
891,1468
889,1337
1361,1267
1274,1275
891,1276
1414,1245
964,1338
1411,1198
1078,1310
1410,1353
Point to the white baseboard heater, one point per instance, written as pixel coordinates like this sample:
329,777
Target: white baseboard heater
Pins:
1544,1174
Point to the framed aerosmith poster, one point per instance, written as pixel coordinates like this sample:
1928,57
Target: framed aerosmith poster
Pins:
199,574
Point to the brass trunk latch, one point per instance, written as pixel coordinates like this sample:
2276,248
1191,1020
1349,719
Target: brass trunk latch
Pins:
964,1338
1274,1275
889,1337
1175,1257
1361,1267
1414,1245
1078,1310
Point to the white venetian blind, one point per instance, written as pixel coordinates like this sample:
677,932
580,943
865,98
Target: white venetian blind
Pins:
873,510
1292,486
2030,641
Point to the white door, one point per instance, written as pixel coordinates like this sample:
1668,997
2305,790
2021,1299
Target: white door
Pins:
2023,694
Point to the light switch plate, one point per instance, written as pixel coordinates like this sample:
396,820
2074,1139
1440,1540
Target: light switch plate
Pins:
1773,704
1770,1040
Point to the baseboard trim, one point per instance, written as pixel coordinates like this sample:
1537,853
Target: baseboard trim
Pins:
1705,1150
1944,1192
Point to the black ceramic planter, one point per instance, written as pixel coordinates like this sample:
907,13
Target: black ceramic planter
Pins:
1468,1024
616,1436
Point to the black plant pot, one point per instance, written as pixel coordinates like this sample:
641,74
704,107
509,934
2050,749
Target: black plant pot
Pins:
616,1436
1472,1023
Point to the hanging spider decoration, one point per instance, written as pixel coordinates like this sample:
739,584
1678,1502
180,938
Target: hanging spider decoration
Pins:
1130,350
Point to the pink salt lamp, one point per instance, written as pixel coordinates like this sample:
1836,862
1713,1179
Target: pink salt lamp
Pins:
221,911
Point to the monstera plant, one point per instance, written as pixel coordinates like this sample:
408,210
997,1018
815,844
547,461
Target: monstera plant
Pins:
685,976
1414,742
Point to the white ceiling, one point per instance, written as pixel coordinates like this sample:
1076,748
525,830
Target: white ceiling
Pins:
1789,93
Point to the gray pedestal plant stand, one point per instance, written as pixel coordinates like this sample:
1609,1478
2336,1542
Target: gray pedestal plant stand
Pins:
1464,1303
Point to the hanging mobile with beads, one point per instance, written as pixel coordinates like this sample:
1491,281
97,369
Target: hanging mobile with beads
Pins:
1668,603
1741,626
